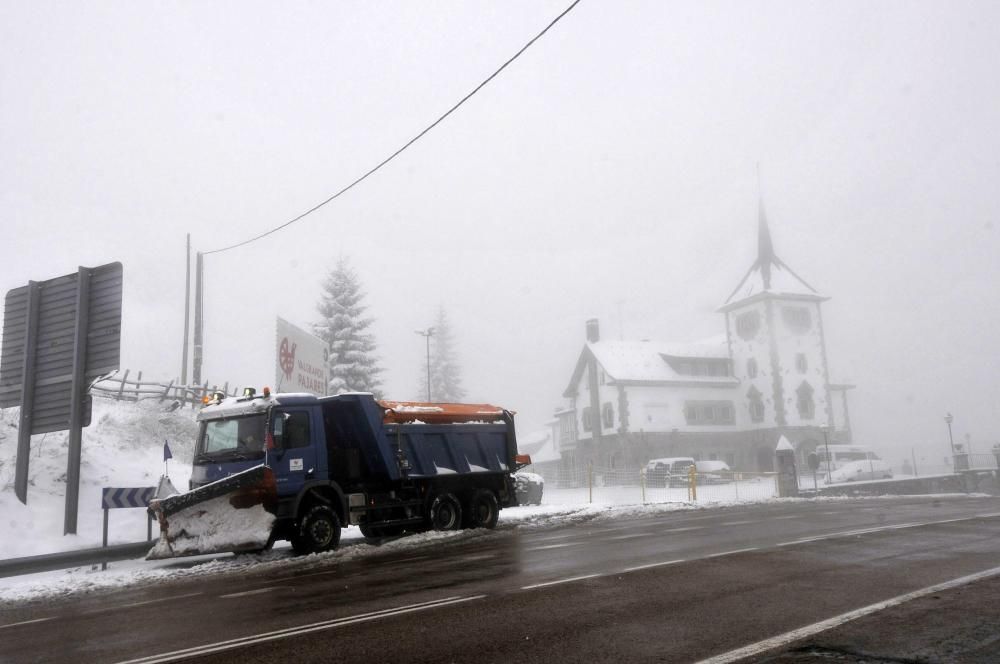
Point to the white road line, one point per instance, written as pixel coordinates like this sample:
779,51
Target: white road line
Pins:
836,621
554,537
680,530
988,516
249,592
738,523
729,553
25,622
650,565
793,516
231,644
155,601
624,537
552,583
552,546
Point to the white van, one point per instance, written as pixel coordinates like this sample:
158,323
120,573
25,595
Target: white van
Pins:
860,471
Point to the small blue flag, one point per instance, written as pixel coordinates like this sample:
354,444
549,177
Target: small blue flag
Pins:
166,450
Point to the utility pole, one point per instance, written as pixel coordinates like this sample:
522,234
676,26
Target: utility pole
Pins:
187,312
427,334
199,288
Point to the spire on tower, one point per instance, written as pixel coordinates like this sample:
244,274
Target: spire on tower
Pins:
766,257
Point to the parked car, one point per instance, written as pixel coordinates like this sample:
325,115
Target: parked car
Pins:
528,487
859,471
670,471
713,472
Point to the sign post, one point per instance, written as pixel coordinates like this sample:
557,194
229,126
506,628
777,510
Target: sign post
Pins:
58,336
117,498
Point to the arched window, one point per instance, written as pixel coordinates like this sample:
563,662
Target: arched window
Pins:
756,404
804,401
797,319
801,363
747,324
752,368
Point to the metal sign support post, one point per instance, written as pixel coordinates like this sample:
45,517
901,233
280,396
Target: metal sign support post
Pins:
78,395
27,394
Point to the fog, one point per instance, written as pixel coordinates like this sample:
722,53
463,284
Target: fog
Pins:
610,172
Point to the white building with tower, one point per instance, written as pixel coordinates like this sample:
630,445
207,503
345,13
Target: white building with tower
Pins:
729,397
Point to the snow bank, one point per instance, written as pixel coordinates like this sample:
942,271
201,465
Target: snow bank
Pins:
123,447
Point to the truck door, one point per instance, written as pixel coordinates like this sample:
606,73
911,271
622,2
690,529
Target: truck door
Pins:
294,457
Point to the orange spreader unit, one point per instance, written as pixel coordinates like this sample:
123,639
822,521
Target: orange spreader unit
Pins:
398,412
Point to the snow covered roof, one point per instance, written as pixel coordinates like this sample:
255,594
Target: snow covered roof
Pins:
645,361
539,445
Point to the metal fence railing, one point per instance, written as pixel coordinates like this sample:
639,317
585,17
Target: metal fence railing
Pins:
975,462
629,486
123,389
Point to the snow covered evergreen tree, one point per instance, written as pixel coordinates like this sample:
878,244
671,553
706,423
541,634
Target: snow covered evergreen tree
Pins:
352,365
446,373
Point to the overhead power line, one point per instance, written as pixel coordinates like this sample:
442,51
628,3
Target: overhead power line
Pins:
405,145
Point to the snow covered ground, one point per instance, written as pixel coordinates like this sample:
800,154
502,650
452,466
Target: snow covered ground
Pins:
123,447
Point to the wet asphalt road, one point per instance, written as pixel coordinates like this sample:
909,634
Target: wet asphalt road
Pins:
675,587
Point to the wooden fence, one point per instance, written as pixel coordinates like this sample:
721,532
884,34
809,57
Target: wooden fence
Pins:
123,389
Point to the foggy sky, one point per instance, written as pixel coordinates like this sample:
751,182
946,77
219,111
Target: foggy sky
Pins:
611,168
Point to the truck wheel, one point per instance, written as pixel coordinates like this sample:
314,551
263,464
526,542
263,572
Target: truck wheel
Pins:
484,511
446,513
319,530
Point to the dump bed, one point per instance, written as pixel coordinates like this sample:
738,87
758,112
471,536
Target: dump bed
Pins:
431,439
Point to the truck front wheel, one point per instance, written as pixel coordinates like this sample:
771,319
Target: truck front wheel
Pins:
484,511
319,530
446,513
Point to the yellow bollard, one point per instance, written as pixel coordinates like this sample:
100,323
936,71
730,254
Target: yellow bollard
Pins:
692,483
642,484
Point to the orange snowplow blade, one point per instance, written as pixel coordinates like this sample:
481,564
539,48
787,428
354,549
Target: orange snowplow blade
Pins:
398,412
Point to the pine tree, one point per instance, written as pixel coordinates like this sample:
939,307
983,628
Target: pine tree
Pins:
446,378
352,365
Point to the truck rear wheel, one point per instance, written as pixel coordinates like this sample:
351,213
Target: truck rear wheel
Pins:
484,510
446,513
319,530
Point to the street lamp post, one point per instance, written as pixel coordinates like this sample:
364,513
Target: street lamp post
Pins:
948,418
427,334
829,461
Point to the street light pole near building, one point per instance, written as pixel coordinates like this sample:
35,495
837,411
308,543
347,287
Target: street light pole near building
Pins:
427,334
829,461
948,418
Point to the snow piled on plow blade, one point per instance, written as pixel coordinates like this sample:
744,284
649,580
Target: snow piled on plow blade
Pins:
236,513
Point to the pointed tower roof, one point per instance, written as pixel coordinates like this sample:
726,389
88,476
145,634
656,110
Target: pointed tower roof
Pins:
769,274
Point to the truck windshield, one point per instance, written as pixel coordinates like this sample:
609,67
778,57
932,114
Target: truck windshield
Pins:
235,438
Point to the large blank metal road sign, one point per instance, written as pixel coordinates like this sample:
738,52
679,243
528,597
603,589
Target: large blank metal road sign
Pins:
58,336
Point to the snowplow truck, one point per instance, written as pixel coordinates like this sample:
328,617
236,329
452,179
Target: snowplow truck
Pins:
300,467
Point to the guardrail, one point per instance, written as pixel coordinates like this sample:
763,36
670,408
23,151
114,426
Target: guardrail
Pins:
81,557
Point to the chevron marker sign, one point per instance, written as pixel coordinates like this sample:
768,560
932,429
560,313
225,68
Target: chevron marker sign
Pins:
127,497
